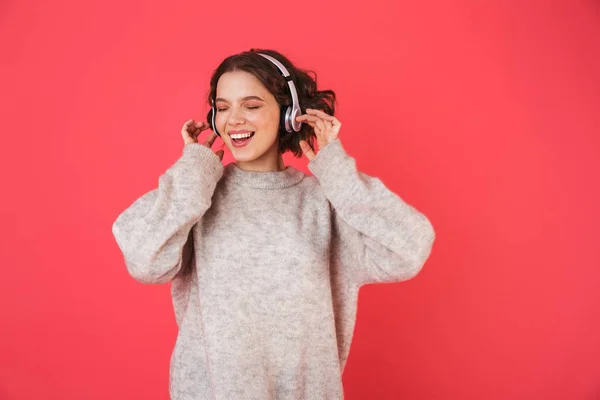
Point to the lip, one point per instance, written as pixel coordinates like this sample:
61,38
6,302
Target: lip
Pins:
243,143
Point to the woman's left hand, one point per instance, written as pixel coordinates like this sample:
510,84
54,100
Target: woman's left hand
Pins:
326,127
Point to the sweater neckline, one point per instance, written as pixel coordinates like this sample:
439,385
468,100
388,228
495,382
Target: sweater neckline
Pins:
263,180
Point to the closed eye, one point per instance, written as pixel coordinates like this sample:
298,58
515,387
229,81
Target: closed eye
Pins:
249,108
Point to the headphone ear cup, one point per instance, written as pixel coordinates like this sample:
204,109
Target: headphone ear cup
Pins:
294,124
213,121
282,118
288,119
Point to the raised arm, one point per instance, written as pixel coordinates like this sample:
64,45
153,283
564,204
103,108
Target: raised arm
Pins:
154,233
380,238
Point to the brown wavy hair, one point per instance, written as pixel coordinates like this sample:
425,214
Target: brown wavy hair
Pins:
270,76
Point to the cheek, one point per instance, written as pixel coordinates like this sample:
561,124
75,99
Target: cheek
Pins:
265,120
258,120
220,120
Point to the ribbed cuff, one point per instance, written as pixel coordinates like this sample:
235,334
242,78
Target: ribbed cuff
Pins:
205,157
337,174
327,158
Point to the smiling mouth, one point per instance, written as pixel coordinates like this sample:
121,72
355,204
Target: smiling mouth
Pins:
241,137
241,140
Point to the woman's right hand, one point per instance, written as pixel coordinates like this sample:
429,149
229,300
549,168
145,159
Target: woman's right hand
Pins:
192,129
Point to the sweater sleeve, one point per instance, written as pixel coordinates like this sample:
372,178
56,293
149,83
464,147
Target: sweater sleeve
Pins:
154,233
380,237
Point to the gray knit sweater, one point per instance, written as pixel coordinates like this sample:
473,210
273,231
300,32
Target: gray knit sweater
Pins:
265,268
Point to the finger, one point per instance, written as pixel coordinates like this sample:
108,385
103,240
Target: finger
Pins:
306,117
316,129
327,126
309,119
324,115
220,154
210,139
187,125
319,113
185,129
310,154
314,118
201,125
198,128
321,125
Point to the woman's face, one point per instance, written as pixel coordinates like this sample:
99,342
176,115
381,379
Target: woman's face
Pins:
245,107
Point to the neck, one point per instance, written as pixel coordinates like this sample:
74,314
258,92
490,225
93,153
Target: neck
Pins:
271,161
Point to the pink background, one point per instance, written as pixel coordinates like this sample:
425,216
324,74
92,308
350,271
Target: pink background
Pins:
484,115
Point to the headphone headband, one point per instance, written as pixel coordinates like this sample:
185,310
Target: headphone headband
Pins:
290,82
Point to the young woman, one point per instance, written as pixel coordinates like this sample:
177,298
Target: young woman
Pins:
265,262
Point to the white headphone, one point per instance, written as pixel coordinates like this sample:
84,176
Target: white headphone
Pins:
288,117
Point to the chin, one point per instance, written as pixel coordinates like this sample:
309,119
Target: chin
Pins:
244,154
244,157
252,152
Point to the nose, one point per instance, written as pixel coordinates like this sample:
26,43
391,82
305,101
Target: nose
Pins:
236,118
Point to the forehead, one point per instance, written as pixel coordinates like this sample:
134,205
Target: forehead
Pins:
237,84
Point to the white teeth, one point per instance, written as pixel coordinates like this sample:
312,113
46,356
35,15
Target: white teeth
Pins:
241,135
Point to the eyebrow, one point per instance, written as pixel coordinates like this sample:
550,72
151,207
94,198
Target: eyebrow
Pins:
243,98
